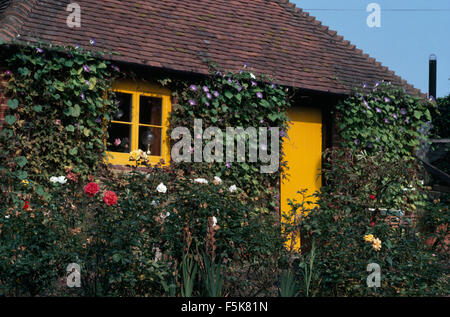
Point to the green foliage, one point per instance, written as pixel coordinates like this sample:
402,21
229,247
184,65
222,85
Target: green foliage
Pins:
189,270
59,103
347,212
441,118
384,119
288,284
213,277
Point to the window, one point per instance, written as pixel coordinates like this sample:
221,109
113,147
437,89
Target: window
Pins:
140,123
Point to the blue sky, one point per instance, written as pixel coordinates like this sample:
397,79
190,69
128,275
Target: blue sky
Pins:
405,39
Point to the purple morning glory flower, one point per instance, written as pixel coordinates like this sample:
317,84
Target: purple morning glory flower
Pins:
364,85
261,121
245,65
407,120
87,82
378,110
403,111
230,81
76,46
377,83
219,73
369,145
208,95
207,103
92,41
192,102
86,68
239,87
228,165
193,87
274,86
205,89
387,100
76,124
254,83
83,96
39,50
386,120
216,94
98,120
356,141
431,98
377,139
259,95
395,116
367,105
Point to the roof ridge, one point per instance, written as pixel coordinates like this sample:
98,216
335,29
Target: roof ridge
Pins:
14,17
289,6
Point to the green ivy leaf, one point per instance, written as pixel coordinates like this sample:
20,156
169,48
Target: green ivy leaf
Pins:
10,119
12,103
75,111
70,128
37,108
21,161
73,151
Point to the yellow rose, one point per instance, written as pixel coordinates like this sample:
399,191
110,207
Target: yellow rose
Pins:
368,238
25,182
134,155
376,244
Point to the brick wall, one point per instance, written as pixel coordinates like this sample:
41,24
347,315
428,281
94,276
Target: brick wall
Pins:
3,106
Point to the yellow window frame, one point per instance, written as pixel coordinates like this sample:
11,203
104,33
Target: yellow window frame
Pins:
137,90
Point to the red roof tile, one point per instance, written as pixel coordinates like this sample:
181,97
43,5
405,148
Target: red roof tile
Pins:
272,36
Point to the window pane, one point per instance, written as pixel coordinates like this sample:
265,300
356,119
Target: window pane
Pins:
124,103
150,110
155,139
119,137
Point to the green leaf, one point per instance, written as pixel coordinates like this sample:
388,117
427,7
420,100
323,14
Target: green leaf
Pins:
265,103
75,111
21,161
116,257
13,103
417,114
228,94
10,119
73,151
70,128
37,108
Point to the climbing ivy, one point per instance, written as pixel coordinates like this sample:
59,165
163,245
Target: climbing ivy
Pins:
234,100
384,118
60,100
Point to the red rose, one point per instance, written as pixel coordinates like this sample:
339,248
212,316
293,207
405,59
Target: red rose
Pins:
110,198
372,224
91,189
372,197
27,205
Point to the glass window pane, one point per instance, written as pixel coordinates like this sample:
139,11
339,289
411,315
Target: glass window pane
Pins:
154,138
119,137
150,110
124,102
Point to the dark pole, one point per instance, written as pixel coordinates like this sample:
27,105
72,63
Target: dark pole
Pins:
432,78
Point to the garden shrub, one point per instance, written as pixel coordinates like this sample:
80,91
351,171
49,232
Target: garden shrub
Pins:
365,212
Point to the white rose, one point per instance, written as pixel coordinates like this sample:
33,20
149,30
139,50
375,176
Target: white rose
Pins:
62,179
232,188
214,221
217,179
161,188
54,179
201,181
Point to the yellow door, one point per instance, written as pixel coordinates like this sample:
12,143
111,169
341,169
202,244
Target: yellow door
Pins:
303,152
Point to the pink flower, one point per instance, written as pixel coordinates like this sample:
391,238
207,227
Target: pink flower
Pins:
117,142
110,198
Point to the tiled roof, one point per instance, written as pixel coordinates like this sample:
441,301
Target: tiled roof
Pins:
272,36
